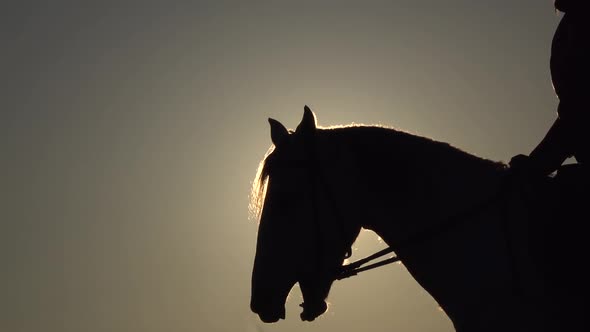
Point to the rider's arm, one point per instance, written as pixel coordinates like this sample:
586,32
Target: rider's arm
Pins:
552,151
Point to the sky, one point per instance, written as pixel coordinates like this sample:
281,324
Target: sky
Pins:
131,133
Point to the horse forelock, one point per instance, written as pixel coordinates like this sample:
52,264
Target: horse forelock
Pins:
259,185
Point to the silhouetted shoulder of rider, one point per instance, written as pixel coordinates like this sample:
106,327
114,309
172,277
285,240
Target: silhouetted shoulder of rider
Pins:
570,73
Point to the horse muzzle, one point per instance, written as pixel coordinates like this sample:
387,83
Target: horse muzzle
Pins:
271,317
268,314
311,311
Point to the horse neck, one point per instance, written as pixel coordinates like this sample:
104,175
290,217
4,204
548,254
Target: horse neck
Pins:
397,184
398,187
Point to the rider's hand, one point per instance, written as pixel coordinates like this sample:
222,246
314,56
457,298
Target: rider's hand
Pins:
520,163
518,172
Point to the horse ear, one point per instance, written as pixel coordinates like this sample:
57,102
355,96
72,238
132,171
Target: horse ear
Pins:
278,132
308,123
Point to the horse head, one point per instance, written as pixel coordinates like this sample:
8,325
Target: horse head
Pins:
292,234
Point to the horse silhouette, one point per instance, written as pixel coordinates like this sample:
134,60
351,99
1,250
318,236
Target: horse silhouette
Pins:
464,235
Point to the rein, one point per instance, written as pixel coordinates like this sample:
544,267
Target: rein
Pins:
355,268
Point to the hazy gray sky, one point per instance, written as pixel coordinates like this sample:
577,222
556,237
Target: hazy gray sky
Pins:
131,133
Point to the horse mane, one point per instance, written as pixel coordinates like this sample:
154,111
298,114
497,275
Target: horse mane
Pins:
383,139
378,139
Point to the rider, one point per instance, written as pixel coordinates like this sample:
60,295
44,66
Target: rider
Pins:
561,239
570,73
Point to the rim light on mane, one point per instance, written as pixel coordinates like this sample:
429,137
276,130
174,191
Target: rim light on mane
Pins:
259,185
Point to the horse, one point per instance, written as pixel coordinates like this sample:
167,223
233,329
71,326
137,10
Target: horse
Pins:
445,212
